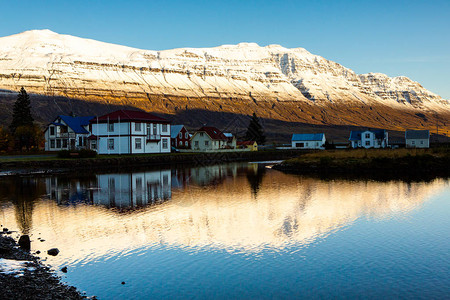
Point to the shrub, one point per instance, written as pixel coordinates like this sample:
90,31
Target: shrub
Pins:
83,153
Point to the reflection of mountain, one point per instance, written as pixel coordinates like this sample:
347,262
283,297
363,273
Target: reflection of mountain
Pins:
287,209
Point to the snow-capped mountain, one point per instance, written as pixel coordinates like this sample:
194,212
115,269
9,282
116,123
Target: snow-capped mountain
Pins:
280,83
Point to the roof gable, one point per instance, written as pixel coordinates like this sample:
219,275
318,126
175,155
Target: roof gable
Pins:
213,133
355,135
76,123
175,130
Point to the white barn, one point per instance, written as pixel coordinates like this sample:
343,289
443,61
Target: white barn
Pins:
308,141
417,138
129,132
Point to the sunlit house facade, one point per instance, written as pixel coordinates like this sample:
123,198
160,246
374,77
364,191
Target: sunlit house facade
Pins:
129,132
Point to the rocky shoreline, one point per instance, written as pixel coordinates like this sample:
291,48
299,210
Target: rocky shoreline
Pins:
24,276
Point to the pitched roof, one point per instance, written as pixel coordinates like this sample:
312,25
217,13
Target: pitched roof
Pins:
307,136
213,133
75,123
417,134
174,130
355,135
129,115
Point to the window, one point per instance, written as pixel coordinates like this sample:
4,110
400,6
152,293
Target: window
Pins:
180,135
148,131
186,144
94,145
206,143
52,144
186,135
137,126
317,144
421,142
306,144
64,143
164,144
110,144
413,142
367,143
111,127
181,143
367,135
164,127
299,145
155,129
80,141
201,133
165,179
196,143
58,143
138,144
52,130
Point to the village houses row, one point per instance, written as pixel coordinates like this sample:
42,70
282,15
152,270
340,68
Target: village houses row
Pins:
135,132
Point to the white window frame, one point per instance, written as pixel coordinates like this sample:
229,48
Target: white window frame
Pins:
165,144
164,128
110,127
137,126
138,142
110,144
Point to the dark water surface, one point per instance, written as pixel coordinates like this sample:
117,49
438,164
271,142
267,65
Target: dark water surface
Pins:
237,231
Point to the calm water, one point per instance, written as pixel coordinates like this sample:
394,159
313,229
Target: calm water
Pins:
237,231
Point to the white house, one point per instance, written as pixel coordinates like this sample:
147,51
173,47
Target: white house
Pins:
369,138
417,138
209,139
308,141
129,132
67,133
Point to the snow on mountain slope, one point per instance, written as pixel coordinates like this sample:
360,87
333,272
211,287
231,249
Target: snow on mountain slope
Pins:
312,88
52,63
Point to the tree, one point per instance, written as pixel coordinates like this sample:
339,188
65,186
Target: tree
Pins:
21,112
5,140
23,130
255,131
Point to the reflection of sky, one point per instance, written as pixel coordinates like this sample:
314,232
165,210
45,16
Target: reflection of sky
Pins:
214,207
237,231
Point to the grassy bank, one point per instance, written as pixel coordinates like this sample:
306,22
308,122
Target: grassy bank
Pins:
131,162
388,163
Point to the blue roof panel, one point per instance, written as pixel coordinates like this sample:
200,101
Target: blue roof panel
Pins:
77,123
307,136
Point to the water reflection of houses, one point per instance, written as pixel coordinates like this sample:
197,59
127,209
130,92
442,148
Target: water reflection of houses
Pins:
129,190
125,190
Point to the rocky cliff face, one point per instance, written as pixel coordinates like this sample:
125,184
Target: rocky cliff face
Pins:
283,84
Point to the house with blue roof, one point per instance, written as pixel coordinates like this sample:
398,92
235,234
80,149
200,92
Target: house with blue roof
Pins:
308,141
67,133
377,138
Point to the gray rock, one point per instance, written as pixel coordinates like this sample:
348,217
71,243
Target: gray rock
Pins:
24,242
53,251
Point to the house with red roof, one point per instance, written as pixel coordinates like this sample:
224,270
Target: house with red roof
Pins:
209,138
129,132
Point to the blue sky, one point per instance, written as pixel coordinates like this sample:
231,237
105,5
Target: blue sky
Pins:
410,38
